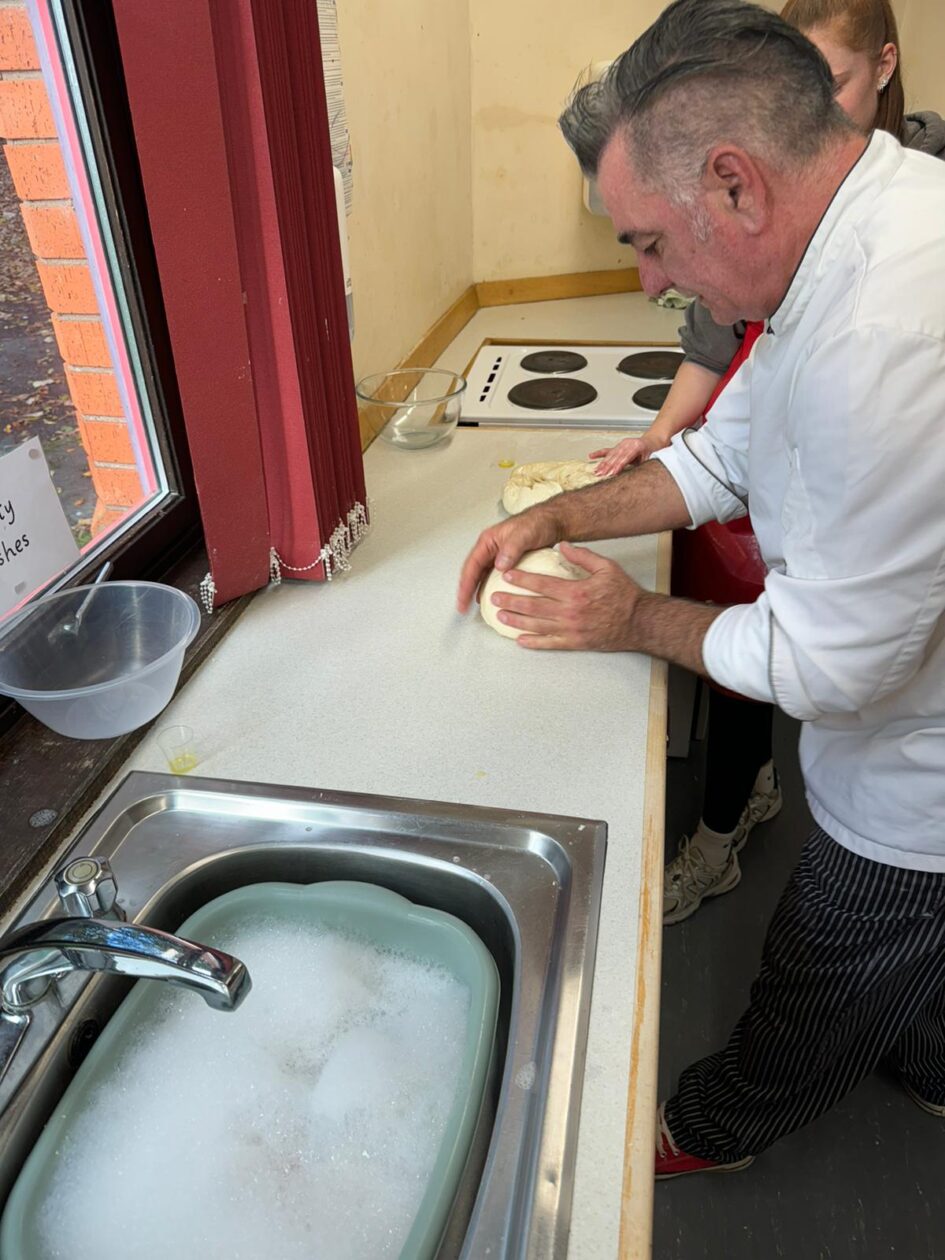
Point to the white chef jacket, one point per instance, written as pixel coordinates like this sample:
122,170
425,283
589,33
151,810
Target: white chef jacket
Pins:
843,464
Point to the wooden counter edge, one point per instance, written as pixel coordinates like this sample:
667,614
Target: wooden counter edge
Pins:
636,1210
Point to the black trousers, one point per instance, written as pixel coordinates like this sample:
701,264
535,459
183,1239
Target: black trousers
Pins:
738,745
852,972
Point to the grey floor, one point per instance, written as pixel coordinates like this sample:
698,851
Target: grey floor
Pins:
867,1180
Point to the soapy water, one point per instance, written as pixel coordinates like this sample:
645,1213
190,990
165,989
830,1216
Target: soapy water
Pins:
303,1125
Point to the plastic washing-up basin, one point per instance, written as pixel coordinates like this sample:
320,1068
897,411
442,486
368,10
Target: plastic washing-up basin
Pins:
97,661
102,1114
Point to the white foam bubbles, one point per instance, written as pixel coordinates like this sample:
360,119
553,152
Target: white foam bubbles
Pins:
304,1126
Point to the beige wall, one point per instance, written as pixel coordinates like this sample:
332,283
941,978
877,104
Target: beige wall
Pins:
460,171
528,218
406,68
922,36
528,214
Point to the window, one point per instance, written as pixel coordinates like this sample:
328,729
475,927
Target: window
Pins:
84,364
204,135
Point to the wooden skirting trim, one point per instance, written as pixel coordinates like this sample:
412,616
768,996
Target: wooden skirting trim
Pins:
496,293
551,288
435,340
636,1216
424,354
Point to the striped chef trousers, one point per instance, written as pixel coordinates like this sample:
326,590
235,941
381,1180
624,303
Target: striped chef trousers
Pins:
853,971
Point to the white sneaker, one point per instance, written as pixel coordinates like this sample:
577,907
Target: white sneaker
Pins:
765,801
689,879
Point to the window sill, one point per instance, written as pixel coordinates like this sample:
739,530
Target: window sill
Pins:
40,770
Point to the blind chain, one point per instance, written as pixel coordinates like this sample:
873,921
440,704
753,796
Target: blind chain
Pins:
334,555
208,588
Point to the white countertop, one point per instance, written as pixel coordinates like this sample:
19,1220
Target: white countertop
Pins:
373,683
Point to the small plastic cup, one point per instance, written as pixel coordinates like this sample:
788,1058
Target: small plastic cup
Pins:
179,748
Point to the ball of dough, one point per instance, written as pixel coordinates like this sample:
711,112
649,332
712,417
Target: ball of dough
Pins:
534,483
547,561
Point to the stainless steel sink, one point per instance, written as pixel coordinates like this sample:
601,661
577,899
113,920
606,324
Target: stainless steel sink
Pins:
528,884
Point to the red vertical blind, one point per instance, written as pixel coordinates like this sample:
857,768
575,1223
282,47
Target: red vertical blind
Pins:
237,154
168,59
293,94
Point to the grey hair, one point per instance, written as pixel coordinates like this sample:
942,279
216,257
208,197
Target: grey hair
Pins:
708,71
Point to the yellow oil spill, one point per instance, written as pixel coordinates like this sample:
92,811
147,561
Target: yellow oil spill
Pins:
506,463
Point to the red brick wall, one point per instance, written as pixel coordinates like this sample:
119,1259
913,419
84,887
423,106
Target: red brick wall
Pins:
32,152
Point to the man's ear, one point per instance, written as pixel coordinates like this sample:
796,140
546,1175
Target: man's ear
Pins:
734,183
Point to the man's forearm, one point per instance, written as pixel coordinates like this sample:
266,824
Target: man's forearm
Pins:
642,500
672,629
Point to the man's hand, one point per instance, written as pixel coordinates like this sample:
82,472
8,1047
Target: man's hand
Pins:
500,546
605,612
642,500
595,614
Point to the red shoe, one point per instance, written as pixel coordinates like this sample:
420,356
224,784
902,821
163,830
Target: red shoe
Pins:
672,1162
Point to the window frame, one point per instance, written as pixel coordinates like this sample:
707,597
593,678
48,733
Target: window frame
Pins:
155,542
163,72
168,530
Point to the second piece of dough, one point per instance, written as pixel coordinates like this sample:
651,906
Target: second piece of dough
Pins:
546,561
534,483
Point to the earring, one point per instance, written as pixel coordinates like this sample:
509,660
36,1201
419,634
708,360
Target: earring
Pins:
882,84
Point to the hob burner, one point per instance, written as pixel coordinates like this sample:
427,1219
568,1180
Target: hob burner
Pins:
552,394
651,396
554,361
652,365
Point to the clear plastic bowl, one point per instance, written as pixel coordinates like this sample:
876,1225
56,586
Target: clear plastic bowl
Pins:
412,407
105,670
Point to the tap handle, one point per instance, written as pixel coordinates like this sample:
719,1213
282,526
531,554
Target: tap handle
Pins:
88,889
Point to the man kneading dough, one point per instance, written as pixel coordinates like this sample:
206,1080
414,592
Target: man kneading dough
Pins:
547,562
534,483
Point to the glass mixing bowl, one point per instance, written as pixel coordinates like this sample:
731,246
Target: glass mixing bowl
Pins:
412,407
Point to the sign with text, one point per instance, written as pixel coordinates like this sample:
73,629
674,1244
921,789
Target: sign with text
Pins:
36,542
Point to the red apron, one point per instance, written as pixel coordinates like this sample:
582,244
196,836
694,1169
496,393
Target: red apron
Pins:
720,563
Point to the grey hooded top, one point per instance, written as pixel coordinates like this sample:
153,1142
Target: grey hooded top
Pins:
713,345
